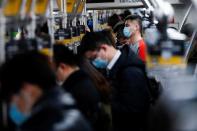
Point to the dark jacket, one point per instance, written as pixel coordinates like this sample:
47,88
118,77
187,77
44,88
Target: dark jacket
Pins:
130,97
55,112
85,93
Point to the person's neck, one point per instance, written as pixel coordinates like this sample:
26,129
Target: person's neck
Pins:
135,39
113,52
71,71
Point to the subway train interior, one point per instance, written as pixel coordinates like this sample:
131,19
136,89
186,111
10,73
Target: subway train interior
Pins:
98,65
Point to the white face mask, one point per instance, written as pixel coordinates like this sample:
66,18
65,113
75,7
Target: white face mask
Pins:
127,32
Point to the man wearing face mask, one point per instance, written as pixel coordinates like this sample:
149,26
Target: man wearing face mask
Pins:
133,30
34,102
130,96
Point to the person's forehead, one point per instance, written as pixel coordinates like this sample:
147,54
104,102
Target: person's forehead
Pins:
130,21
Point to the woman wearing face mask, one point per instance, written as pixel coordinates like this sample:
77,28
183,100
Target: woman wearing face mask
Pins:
34,101
79,83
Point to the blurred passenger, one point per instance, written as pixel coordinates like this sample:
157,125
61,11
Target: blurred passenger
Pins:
121,39
113,20
130,97
133,30
77,82
35,103
125,14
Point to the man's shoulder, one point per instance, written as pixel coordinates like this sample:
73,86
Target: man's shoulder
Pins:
142,43
131,70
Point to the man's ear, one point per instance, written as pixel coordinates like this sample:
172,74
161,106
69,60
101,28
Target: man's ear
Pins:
104,47
62,66
137,27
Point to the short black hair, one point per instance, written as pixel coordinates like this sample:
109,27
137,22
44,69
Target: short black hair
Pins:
30,67
137,18
92,40
63,54
108,37
125,14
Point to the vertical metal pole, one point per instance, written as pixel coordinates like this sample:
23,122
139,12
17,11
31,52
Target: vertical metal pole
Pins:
51,23
75,43
95,20
64,13
2,37
33,22
85,14
22,11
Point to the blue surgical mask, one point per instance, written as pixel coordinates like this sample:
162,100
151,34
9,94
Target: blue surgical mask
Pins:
16,115
100,63
127,32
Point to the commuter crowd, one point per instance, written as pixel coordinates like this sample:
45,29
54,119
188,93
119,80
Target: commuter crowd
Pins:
104,87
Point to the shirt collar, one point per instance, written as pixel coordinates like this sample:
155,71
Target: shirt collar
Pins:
135,47
114,60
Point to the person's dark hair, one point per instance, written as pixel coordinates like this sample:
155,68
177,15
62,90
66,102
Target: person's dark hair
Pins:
113,20
42,28
99,80
62,54
122,17
136,18
109,38
117,26
88,43
125,14
31,67
92,40
119,32
188,29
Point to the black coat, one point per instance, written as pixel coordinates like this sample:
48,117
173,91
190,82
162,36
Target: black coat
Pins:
80,85
55,112
130,97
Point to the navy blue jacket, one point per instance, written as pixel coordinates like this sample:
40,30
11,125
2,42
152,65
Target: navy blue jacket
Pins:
130,97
